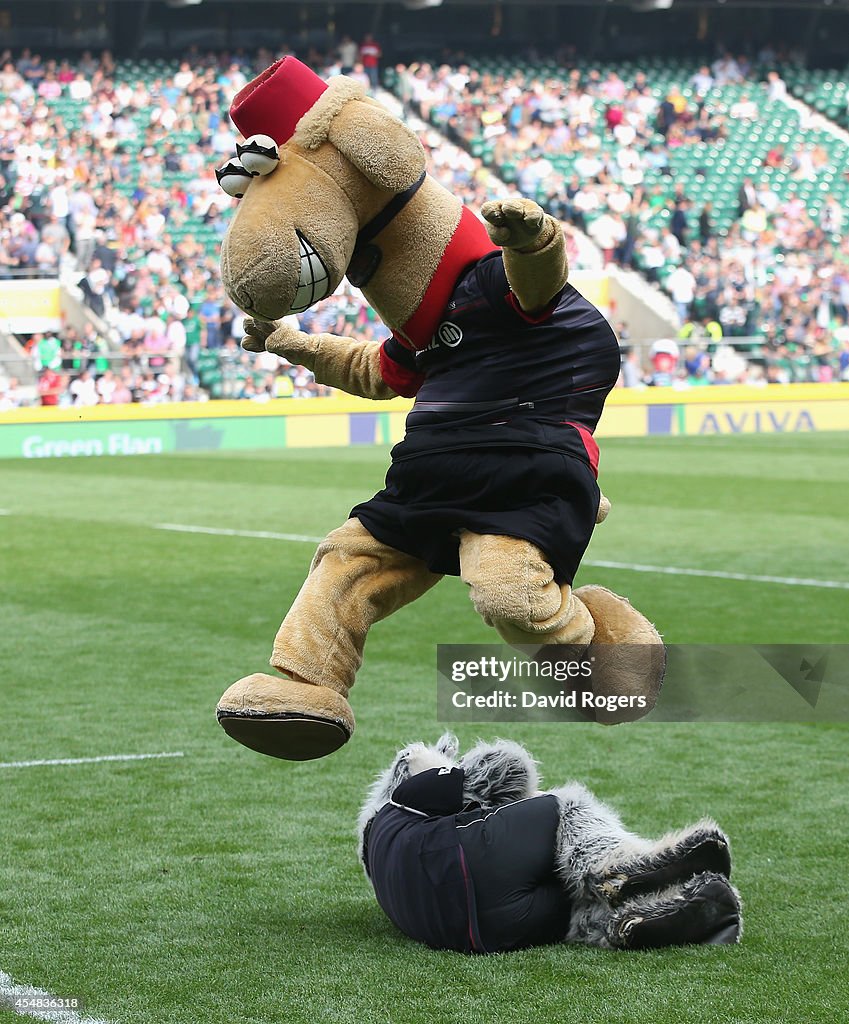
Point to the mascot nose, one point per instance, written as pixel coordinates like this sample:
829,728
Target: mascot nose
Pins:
243,298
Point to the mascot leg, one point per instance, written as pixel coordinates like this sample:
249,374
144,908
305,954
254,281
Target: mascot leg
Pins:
591,836
512,587
673,892
630,656
353,582
704,910
674,858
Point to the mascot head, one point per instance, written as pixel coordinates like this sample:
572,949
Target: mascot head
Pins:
319,162
331,184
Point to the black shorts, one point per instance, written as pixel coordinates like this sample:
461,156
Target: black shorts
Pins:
511,858
530,480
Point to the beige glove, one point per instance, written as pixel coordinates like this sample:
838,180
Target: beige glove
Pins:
345,363
534,250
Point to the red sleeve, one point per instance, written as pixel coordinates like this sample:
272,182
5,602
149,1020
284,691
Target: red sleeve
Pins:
403,380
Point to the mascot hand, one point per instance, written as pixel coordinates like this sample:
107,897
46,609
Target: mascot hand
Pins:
514,223
281,339
256,331
349,364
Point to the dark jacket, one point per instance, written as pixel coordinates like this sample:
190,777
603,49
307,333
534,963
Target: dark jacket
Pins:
468,880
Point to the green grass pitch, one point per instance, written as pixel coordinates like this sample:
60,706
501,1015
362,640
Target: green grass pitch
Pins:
222,887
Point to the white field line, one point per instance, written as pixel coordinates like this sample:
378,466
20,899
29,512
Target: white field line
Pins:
300,538
718,574
4,512
38,1004
90,760
664,570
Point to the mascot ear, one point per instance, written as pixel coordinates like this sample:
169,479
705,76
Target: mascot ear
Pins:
448,744
387,152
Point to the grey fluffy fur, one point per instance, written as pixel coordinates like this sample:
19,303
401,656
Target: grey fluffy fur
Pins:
499,773
593,846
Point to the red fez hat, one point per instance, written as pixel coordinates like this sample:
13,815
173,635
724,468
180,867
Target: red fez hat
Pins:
274,102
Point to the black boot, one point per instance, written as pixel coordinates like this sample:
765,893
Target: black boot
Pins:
704,847
705,910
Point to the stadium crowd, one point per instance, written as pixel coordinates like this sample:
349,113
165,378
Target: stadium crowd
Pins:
108,174
778,275
125,191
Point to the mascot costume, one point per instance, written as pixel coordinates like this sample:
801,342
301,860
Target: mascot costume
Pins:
471,856
495,480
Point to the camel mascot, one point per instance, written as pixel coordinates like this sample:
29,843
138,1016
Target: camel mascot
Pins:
495,480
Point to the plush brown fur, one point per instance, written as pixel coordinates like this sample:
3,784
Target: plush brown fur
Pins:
368,135
534,250
412,246
353,582
350,365
346,161
512,588
261,693
630,656
314,127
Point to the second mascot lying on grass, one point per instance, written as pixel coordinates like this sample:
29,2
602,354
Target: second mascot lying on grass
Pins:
495,480
469,855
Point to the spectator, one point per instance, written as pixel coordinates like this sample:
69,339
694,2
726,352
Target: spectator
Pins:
832,217
678,221
210,313
84,389
702,81
746,196
745,109
682,287
668,113
51,385
706,223
776,87
609,232
370,54
348,52
11,396
632,375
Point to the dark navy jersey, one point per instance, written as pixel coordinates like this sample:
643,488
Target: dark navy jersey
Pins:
486,350
499,440
467,879
415,862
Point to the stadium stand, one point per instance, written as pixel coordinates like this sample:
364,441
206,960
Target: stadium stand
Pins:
826,91
702,178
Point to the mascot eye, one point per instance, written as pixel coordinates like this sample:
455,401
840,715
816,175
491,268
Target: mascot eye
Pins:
234,178
259,154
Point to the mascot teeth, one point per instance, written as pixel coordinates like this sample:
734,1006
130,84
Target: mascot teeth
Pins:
314,282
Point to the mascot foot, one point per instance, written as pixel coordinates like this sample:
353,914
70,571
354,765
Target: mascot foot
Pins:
703,911
628,653
701,848
283,718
